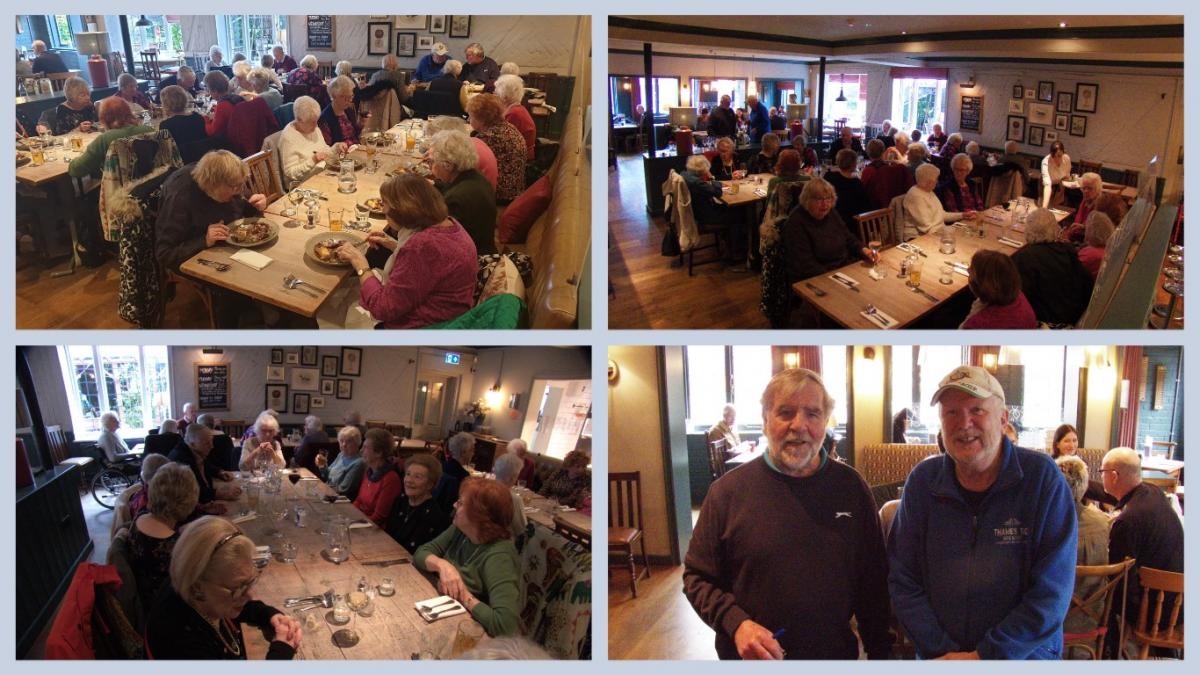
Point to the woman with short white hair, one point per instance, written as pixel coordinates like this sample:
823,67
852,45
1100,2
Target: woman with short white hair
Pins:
240,84
956,191
173,495
511,90
922,208
75,113
262,448
339,120
343,68
1091,546
127,88
469,197
301,145
452,68
509,68
307,76
486,163
215,59
1056,284
901,146
726,161
260,86
506,469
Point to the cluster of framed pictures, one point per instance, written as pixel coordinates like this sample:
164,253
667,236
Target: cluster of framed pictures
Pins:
407,42
309,383
1036,103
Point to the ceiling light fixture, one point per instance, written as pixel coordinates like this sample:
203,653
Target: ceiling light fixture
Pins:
841,97
143,22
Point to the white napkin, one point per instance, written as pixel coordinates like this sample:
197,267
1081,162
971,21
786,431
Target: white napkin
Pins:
564,509
1009,242
251,259
529,509
880,319
241,519
844,279
360,525
1059,212
444,611
760,192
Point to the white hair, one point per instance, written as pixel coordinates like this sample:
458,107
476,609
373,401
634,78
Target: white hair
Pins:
972,148
510,68
454,150
510,89
309,61
108,418
516,443
241,68
452,67
901,138
1091,178
265,420
125,80
306,109
343,68
954,139
169,427
1040,226
312,423
698,164
926,171
460,443
475,48
215,49
74,86
507,467
444,123
961,158
390,62
340,84
260,79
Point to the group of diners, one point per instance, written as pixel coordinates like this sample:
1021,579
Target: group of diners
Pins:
809,225
193,569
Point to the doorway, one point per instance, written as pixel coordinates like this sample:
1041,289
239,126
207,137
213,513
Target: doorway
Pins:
433,410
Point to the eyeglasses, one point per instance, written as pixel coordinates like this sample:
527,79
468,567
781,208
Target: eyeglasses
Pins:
241,590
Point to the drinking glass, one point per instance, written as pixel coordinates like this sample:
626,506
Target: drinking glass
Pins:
947,243
294,198
347,182
370,146
466,637
253,490
410,140
37,155
387,587
362,215
335,219
914,272
341,611
77,143
946,275
287,552
337,541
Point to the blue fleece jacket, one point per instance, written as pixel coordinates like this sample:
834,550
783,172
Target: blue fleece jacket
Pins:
998,581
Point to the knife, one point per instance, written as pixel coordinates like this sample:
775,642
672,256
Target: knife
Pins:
818,292
927,295
388,563
845,282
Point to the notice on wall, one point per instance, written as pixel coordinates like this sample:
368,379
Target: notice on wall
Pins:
212,386
320,32
970,116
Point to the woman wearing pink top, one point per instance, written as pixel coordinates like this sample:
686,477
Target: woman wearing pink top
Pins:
430,276
999,302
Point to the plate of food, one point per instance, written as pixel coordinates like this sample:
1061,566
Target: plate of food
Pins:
334,165
375,206
323,247
250,232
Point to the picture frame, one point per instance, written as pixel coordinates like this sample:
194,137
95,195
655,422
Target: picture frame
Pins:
379,38
300,404
308,356
406,44
1016,129
1016,107
345,389
437,23
277,356
317,402
1051,135
276,397
329,365
411,22
276,374
460,25
424,43
1030,93
1018,91
1086,96
1037,135
1061,122
351,361
1078,125
1065,103
328,387
1045,91
292,358
1041,113
306,379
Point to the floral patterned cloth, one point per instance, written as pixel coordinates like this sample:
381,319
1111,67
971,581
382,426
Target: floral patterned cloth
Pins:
573,492
315,85
556,611
509,147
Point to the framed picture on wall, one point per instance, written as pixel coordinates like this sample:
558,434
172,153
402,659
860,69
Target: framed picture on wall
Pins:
1036,135
1016,107
424,43
1086,94
328,387
277,397
411,21
317,402
1030,93
277,356
276,374
1065,102
1051,135
300,404
351,361
308,356
1045,91
437,23
1060,122
379,39
1016,129
305,379
345,389
1078,125
1018,91
1041,113
292,358
460,25
406,44
329,365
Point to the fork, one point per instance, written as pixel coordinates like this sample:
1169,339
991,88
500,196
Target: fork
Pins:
292,281
219,266
871,310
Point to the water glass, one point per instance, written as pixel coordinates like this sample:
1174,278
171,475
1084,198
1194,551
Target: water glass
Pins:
287,552
341,611
946,276
947,241
465,638
387,587
347,182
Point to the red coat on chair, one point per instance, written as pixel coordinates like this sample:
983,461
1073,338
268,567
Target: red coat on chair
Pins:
71,635
249,124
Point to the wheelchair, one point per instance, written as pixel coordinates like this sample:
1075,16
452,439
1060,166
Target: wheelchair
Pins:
114,478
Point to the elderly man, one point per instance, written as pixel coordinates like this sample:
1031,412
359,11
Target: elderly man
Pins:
46,62
721,121
185,77
845,141
391,73
194,451
982,549
113,446
224,456
284,63
430,66
726,428
189,416
788,550
1146,529
459,452
1091,186
760,118
479,69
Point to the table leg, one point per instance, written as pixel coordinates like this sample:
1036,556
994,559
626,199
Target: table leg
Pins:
65,190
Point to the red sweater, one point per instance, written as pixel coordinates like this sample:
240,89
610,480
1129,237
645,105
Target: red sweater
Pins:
375,498
220,119
519,117
1018,314
1091,257
884,181
432,280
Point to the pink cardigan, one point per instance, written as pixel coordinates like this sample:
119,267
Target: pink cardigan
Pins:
432,280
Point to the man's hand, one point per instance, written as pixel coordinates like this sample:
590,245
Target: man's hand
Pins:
754,643
959,656
216,232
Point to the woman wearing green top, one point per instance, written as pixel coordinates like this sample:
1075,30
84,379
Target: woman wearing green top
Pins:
117,118
475,559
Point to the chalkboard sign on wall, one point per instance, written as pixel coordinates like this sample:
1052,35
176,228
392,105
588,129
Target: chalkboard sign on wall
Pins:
971,114
321,33
212,386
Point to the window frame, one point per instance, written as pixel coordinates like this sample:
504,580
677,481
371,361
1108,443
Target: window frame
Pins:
79,422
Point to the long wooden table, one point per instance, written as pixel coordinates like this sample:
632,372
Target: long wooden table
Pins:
890,294
540,510
394,632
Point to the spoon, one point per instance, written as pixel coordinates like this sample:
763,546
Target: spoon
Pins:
875,313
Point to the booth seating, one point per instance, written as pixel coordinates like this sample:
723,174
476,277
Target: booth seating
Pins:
884,463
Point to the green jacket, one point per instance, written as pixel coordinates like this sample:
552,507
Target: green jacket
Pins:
91,162
472,202
491,573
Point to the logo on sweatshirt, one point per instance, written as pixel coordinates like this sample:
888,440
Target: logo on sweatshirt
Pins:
1011,532
842,514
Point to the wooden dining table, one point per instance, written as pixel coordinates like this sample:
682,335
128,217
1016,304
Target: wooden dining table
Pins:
890,294
395,631
542,511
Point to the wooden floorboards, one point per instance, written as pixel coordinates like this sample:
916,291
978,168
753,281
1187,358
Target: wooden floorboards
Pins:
647,291
659,623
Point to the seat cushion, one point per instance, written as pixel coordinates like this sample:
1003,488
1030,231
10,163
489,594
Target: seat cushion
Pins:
622,536
524,211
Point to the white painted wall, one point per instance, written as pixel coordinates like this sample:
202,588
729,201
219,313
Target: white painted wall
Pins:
521,366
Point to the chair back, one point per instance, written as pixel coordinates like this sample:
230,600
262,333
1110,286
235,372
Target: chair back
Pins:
1164,481
325,69
116,62
121,514
876,226
285,114
1093,167
1086,624
1005,187
128,596
572,533
716,457
1161,591
233,428
264,175
60,447
376,424
58,80
271,145
291,92
150,69
1131,177
625,499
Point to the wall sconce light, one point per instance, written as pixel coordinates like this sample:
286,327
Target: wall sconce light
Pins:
492,396
869,353
989,362
213,350
969,83
791,360
627,86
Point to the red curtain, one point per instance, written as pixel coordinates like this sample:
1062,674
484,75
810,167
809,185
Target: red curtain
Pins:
1131,369
810,358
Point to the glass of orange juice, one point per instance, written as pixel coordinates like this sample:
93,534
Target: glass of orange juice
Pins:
336,220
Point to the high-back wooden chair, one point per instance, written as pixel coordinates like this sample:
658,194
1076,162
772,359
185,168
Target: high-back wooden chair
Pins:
60,451
1086,166
150,68
717,450
876,226
325,69
58,80
1086,625
1151,630
233,428
264,175
625,522
376,424
572,533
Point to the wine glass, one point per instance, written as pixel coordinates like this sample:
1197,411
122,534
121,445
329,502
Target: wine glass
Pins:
295,197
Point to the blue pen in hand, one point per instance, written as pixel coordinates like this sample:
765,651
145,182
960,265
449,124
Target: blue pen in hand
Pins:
778,634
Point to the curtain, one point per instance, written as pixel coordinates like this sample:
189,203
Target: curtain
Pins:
1131,369
810,358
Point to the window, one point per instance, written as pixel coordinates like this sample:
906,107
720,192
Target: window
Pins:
918,103
666,93
916,372
854,108
133,381
707,385
252,34
164,34
61,35
708,93
836,379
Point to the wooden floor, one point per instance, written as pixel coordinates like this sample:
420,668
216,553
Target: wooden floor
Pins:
648,291
659,624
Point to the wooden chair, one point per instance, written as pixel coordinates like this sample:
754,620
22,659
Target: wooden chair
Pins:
1150,629
58,80
876,226
60,452
572,533
1131,177
1086,166
717,454
325,69
150,67
625,522
116,62
264,175
398,430
233,428
1092,611
291,92
376,424
1166,482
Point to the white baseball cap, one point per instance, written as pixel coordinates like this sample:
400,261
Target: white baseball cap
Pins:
439,49
974,380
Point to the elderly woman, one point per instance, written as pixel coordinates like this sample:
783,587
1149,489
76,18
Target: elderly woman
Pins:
262,448
240,82
814,237
113,446
901,146
706,192
416,516
918,154
1099,230
726,162
852,198
506,469
509,68
520,448
139,499
75,113
339,120
199,615
430,276
485,112
953,146
956,192
487,159
346,472
172,496
260,86
1092,187
118,119
1056,166
1092,542
197,202
216,60
343,68
267,61
922,207
882,178
999,302
459,452
469,197
448,81
1056,283
284,63
181,119
511,90
1107,203
764,161
570,484
381,483
475,559
302,146
307,75
127,89
217,85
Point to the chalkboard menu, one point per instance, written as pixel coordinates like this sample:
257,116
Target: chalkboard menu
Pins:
972,113
320,30
212,386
